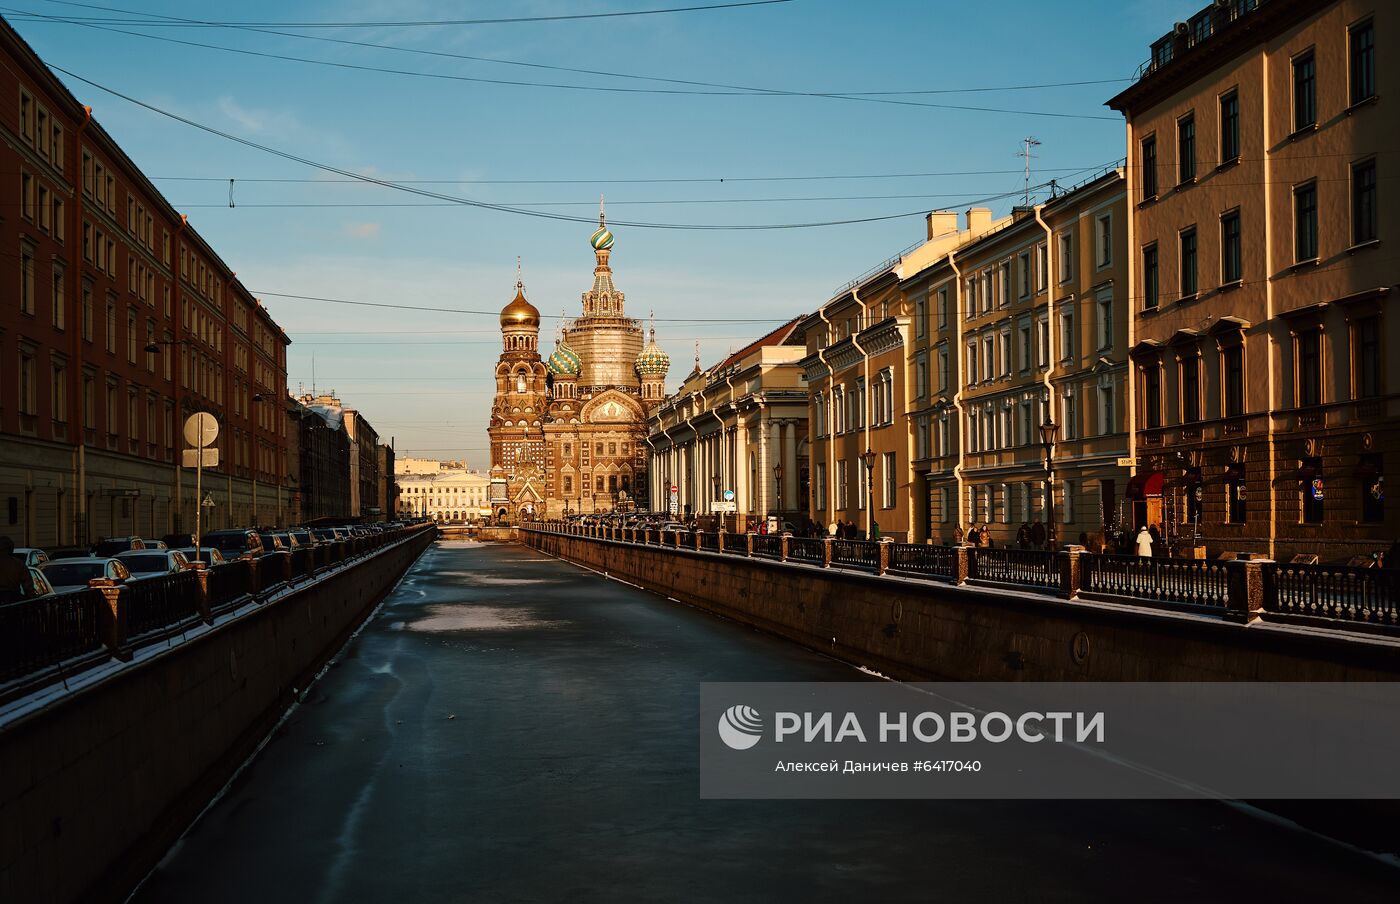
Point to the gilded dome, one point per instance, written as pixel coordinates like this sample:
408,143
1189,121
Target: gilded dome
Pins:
653,362
564,361
520,312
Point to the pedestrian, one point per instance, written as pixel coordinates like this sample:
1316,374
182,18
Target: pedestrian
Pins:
1156,536
1144,542
974,536
875,530
1023,535
15,582
987,535
1038,535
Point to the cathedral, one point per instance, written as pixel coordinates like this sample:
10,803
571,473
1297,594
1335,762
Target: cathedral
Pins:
568,432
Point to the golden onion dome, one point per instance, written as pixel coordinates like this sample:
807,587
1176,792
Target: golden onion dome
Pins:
520,312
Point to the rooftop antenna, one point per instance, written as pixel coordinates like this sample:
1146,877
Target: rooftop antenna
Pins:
313,374
1027,143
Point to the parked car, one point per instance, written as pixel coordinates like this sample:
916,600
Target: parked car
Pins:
42,587
272,543
155,544
67,552
206,554
234,543
105,549
305,538
30,556
73,574
149,563
675,526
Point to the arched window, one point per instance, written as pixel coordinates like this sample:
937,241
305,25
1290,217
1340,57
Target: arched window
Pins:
520,382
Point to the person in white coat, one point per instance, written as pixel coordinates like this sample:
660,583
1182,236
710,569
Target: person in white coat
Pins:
1144,542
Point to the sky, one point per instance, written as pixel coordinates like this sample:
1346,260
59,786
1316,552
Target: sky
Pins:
736,158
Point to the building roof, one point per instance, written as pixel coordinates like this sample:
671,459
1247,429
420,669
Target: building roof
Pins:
780,336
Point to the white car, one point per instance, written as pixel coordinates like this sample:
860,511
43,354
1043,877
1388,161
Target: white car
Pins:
66,575
150,563
31,556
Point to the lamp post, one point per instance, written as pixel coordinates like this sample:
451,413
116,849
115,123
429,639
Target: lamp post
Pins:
1048,431
778,484
867,458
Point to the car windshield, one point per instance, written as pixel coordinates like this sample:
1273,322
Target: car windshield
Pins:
111,547
146,564
227,541
64,574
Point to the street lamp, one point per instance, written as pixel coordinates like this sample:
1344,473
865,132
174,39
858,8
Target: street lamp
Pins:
1048,431
867,458
778,484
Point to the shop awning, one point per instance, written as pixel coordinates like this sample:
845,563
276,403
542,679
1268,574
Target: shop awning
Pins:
1141,486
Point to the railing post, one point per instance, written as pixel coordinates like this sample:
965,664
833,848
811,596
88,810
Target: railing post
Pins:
827,544
883,563
962,563
719,537
696,536
1244,587
201,572
1069,561
111,617
783,546
748,544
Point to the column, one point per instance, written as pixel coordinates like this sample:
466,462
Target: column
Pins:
790,475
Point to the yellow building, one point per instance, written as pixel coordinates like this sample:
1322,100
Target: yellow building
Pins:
738,427
1263,315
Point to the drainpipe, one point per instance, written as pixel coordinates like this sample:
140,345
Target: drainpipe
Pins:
867,481
1052,318
830,421
960,317
77,411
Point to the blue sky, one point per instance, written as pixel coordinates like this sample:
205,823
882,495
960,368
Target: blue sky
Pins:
425,378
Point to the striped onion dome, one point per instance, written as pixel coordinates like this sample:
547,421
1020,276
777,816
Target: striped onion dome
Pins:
564,361
602,240
653,362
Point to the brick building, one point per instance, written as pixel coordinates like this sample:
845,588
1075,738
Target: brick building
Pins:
118,322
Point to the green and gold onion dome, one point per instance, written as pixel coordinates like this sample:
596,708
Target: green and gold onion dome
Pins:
653,362
564,361
601,240
520,312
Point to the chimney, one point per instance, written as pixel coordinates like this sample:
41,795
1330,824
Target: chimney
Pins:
942,222
978,219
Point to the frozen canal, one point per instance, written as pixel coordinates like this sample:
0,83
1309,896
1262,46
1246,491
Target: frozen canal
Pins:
511,728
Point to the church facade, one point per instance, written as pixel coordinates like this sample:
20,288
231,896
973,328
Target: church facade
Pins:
568,433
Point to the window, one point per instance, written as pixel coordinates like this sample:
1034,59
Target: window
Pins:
1235,496
1232,363
1042,341
1304,92
818,417
1189,283
1231,264
972,362
1149,168
920,317
842,484
28,392
1366,356
1312,490
1363,202
943,368
1067,332
1105,242
56,297
26,279
1005,282
1025,262
111,333
1150,278
1041,267
1107,409
1363,62
1371,475
988,358
1305,222
942,308
1309,344
819,490
1105,312
1190,367
86,313
1066,257
1025,333
889,476
1004,352
131,336
1230,127
1186,149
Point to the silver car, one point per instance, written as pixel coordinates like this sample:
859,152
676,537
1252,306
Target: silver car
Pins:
151,563
73,574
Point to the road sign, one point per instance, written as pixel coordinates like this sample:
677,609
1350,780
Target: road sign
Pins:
728,495
1127,462
675,507
190,458
724,507
201,429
